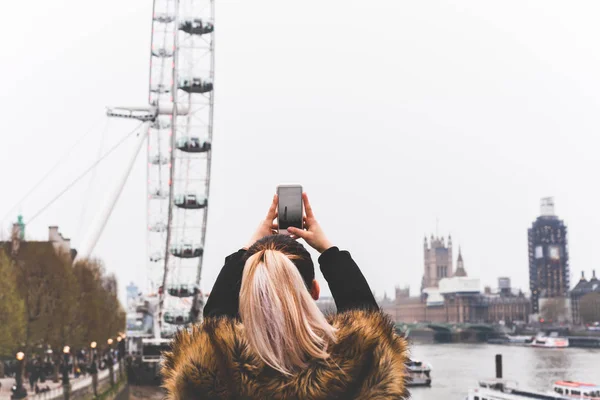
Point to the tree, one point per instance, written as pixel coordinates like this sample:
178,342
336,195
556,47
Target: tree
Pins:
554,309
45,283
589,308
99,315
12,309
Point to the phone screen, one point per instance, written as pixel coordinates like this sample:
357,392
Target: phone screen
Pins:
290,207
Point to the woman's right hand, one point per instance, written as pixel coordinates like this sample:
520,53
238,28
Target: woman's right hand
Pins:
313,235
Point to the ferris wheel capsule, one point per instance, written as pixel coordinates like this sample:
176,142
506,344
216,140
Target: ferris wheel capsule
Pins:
196,27
195,85
190,201
186,250
159,160
155,257
177,317
182,290
162,53
159,193
160,88
192,144
158,227
164,18
161,124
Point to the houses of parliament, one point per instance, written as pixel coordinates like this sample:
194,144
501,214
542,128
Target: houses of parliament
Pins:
450,295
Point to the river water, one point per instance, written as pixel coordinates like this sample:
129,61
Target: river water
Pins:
457,367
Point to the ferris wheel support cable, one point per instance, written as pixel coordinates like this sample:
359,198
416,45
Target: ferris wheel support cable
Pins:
51,170
92,180
101,219
82,175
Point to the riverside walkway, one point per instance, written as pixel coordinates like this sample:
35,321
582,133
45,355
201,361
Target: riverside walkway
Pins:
79,386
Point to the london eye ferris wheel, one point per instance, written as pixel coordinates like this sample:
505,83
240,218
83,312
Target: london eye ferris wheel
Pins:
179,131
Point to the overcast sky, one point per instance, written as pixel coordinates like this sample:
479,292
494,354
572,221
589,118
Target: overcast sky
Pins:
391,114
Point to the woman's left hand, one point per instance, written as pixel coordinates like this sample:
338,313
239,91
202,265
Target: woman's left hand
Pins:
267,226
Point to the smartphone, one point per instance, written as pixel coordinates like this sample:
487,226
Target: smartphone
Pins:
289,207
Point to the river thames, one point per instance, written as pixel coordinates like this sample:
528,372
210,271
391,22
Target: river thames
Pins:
457,367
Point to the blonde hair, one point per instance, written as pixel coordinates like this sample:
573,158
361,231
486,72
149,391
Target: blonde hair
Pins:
282,322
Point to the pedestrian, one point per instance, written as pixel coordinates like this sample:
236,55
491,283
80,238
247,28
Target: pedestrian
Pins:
263,335
30,369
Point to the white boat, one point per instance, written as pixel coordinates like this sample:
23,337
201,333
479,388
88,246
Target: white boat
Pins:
577,390
520,339
512,340
551,342
419,373
498,389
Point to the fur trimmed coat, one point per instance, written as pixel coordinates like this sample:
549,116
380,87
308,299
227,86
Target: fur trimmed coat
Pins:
214,361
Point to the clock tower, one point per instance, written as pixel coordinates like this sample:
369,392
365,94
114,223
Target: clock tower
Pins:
548,256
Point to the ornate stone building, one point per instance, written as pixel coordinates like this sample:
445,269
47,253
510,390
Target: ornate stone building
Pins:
456,298
438,261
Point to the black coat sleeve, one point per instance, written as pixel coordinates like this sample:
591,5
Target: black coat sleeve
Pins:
348,286
224,297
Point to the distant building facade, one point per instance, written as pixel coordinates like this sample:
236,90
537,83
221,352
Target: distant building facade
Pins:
582,289
59,243
548,257
507,305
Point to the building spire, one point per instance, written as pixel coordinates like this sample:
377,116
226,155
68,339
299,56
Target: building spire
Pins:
460,267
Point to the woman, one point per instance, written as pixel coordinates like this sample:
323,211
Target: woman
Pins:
263,336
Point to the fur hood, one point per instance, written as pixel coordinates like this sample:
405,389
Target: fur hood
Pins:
214,361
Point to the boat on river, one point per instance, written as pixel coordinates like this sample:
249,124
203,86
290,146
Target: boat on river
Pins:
515,340
419,373
501,389
498,389
550,342
577,390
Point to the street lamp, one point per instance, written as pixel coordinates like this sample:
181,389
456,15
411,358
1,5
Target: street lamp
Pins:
94,369
93,346
19,392
65,376
109,361
119,356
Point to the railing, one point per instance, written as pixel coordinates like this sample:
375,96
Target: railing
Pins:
80,385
